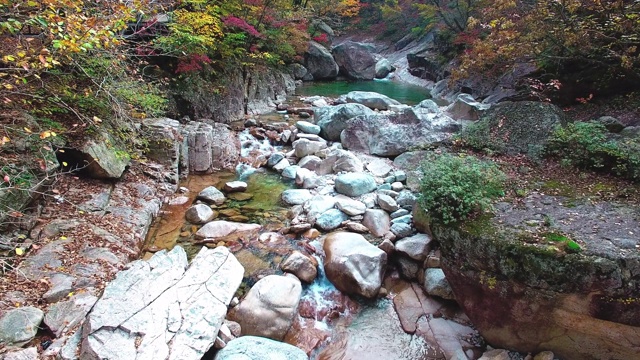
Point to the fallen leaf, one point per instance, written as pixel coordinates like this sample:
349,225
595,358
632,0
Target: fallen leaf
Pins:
19,251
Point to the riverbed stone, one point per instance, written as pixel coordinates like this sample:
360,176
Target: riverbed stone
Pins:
377,221
310,162
340,161
379,167
398,213
354,265
383,68
304,147
416,247
401,230
212,195
235,186
19,326
65,315
30,353
301,265
269,307
436,284
290,171
163,308
370,99
225,230
465,107
330,219
296,196
354,184
387,203
308,128
333,119
280,166
350,206
274,159
259,348
199,214
404,219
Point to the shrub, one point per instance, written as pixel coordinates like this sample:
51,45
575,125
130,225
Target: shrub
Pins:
587,145
453,187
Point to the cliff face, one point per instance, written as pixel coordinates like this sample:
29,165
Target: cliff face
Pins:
233,95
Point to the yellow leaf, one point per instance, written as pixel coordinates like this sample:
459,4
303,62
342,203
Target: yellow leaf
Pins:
63,238
97,119
60,150
70,294
45,134
19,251
27,130
22,236
64,163
4,140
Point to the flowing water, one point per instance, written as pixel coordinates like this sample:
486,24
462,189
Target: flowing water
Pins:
404,93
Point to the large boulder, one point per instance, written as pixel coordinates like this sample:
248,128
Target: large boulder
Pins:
354,184
355,60
210,147
100,156
333,119
372,100
155,308
395,133
225,230
259,348
301,265
269,307
515,127
466,108
296,196
19,326
340,161
383,68
567,285
354,265
319,62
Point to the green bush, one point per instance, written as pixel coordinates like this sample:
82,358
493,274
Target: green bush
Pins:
587,145
453,187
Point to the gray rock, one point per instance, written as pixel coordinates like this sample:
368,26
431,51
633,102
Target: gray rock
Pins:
333,119
355,60
307,127
354,184
313,181
319,62
387,203
383,68
298,71
356,227
211,194
259,348
354,265
379,167
199,214
65,315
304,147
388,192
395,133
274,159
349,206
397,186
384,186
296,196
302,174
340,161
406,199
102,157
269,307
19,326
317,205
404,219
400,175
301,266
387,246
290,171
221,229
370,99
155,308
416,247
399,213
465,107
377,221
330,219
23,354
401,230
210,146
310,162
61,286
436,284
612,124
430,106
283,164
235,186
409,268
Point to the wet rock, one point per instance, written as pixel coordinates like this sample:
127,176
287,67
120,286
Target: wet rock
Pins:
274,159
301,266
304,147
211,195
210,146
333,119
370,99
199,214
269,307
354,265
354,184
416,247
319,62
259,348
308,128
350,206
330,219
401,230
387,203
399,213
24,354
383,68
377,221
19,326
153,309
65,315
225,230
355,60
235,186
436,284
296,196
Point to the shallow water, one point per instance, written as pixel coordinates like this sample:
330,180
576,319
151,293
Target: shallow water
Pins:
404,93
